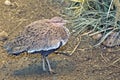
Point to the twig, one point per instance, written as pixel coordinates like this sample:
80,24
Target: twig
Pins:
115,61
75,47
104,58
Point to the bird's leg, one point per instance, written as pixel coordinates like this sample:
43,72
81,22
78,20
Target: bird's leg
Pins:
43,62
49,66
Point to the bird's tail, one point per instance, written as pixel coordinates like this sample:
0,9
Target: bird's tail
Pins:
13,49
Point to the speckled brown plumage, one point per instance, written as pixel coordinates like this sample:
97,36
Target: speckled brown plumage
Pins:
39,35
43,36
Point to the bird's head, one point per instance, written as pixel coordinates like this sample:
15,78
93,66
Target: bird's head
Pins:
58,21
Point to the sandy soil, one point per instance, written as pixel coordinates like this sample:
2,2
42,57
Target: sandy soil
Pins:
86,63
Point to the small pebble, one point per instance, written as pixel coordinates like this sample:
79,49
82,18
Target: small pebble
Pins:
3,61
3,36
3,33
8,2
97,36
64,58
73,30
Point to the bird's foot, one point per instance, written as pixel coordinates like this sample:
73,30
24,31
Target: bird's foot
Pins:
52,71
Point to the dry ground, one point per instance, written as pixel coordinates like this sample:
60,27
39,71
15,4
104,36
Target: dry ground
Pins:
86,63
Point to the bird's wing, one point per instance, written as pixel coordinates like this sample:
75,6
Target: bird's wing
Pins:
48,38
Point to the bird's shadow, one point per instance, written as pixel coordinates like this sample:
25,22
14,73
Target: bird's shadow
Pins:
30,70
59,67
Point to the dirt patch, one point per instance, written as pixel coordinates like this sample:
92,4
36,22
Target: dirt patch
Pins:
86,63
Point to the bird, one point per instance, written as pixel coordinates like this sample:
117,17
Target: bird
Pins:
42,36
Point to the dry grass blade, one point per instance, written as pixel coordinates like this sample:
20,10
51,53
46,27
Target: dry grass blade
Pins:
79,40
117,60
95,17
